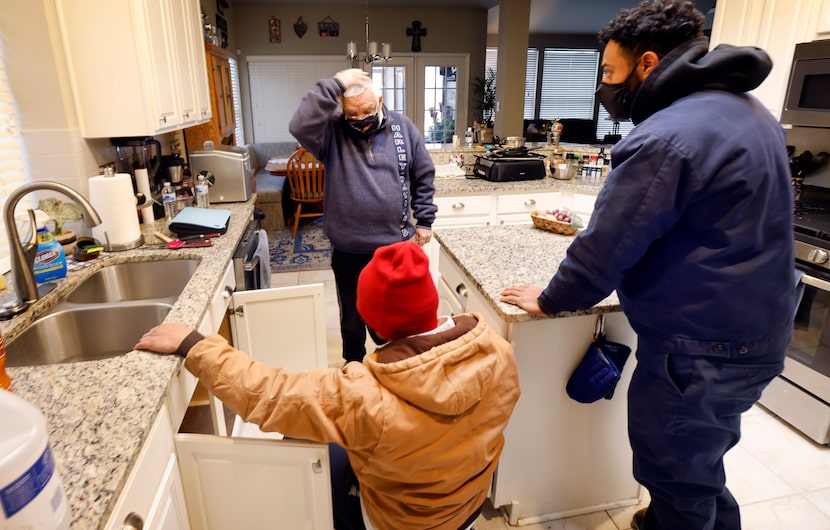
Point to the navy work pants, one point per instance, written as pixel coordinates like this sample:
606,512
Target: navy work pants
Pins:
347,267
684,414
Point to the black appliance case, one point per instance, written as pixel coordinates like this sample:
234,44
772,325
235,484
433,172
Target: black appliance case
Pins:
509,169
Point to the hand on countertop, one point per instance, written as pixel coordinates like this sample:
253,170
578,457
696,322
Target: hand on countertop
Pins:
524,296
164,338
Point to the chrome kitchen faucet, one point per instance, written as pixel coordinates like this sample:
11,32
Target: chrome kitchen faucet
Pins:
23,254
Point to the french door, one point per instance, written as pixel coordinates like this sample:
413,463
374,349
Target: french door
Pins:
431,89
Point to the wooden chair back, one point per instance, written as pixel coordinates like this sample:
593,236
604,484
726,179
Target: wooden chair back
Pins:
305,177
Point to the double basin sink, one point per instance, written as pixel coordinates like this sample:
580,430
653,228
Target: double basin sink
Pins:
105,315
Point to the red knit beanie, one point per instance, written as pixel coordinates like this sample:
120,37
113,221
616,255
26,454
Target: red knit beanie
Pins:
395,292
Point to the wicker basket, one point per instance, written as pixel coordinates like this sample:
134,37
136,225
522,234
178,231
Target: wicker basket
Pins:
547,222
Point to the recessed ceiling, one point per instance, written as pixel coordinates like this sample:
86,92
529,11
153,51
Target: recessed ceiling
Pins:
546,16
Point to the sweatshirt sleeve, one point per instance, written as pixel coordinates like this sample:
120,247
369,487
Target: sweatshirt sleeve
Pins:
314,120
422,177
317,405
640,202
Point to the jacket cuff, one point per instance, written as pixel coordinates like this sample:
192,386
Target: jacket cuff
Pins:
188,343
427,226
340,84
544,306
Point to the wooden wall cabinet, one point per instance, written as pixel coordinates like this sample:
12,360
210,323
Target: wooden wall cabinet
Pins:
222,125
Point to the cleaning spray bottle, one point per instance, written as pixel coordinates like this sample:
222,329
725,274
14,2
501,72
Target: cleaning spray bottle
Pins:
50,261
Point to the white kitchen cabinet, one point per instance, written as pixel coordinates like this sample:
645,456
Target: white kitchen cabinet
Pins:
823,21
516,208
153,491
252,482
465,210
775,26
234,483
169,510
561,458
136,67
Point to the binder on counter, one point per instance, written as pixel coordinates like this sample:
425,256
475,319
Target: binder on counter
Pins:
197,221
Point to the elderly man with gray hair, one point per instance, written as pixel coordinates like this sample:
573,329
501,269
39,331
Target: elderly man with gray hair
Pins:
378,182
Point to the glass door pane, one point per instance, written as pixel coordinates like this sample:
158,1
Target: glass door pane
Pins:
440,103
392,82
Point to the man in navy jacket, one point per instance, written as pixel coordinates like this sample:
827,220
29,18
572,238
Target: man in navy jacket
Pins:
693,229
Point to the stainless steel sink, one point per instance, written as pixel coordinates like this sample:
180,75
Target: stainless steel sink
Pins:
84,333
144,280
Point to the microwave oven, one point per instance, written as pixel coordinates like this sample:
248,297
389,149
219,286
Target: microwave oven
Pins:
807,100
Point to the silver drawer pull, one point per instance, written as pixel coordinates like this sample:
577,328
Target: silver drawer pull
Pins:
133,521
530,202
458,206
461,289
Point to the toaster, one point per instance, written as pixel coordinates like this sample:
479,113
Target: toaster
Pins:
231,169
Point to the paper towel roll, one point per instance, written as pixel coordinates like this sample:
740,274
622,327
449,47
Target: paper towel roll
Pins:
142,183
114,200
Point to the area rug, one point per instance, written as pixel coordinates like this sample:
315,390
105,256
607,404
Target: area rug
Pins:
311,250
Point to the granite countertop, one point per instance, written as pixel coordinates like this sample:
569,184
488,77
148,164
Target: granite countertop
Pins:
452,186
100,412
495,257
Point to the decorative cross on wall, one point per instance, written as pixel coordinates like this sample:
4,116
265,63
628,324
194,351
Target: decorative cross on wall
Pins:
416,32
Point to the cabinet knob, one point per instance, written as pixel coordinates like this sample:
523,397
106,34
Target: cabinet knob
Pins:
163,119
186,114
133,521
317,467
227,293
461,289
530,202
458,206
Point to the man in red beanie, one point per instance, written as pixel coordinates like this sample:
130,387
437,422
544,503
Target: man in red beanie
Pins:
415,430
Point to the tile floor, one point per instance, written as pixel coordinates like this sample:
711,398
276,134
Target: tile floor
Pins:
780,478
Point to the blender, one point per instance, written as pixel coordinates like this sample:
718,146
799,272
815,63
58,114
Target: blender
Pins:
141,158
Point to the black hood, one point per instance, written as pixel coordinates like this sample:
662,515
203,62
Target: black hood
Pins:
691,67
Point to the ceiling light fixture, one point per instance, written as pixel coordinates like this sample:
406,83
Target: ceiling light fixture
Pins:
371,54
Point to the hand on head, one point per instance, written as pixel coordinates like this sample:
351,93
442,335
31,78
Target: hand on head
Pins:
351,77
164,338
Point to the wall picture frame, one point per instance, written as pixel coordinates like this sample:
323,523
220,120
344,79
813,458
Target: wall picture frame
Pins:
329,27
274,31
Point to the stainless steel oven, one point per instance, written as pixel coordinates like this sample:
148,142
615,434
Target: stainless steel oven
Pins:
801,395
250,259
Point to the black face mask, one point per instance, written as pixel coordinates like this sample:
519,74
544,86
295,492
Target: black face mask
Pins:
366,126
616,98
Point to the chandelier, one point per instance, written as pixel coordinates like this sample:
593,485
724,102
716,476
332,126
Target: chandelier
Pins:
371,56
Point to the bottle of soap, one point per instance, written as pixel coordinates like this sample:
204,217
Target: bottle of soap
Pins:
5,380
50,261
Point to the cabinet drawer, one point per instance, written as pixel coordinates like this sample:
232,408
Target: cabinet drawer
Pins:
457,283
528,202
471,207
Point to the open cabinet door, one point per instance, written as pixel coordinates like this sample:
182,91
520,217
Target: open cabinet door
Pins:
282,326
235,483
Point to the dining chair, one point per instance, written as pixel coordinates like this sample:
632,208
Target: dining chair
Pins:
305,178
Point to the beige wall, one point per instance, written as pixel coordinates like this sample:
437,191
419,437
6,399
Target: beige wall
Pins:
449,30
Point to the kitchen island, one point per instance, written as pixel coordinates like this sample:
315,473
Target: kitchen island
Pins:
561,458
100,413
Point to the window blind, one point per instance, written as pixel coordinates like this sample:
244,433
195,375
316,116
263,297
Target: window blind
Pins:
530,83
278,83
239,132
569,79
12,165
